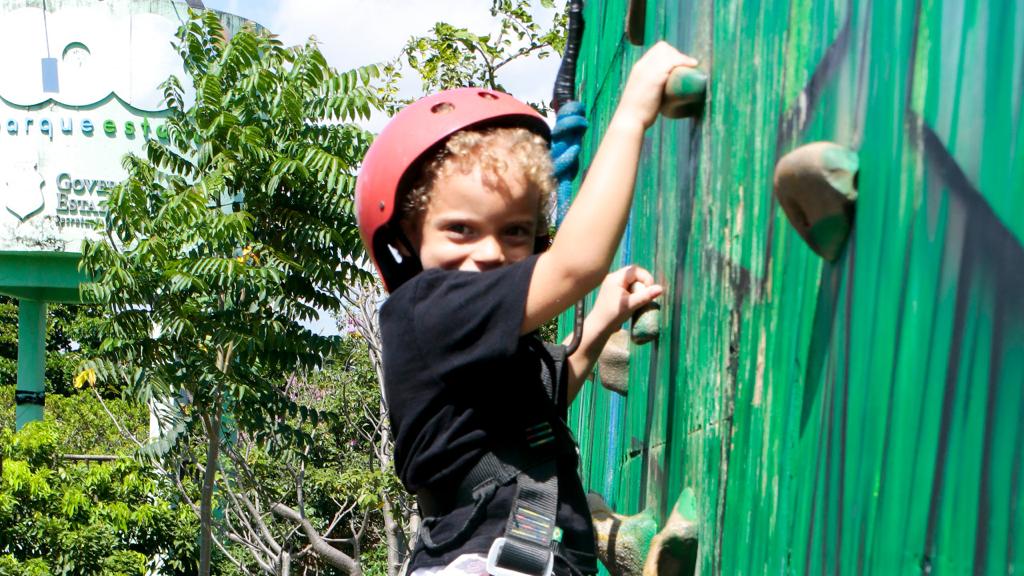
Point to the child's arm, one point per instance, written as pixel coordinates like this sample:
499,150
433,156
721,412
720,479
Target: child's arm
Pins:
614,304
586,242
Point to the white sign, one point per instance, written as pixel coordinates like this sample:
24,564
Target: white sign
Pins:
65,128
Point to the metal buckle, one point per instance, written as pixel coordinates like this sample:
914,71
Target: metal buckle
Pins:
494,570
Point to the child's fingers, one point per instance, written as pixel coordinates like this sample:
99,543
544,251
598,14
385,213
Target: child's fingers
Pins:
632,274
663,49
641,294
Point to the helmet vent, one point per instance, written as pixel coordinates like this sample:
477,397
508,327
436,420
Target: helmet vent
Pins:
442,108
487,95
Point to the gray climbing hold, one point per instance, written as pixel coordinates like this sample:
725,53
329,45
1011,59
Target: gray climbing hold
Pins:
816,185
646,324
613,363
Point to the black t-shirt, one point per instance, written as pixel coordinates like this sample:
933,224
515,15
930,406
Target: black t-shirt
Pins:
460,379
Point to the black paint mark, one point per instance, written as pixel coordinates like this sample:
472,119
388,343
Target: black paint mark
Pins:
991,257
981,534
794,120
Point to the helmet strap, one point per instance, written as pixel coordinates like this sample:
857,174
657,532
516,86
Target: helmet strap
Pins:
411,264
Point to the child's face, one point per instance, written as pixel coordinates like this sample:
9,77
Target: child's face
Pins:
475,226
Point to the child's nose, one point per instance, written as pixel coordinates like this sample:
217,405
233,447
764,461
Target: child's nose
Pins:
488,253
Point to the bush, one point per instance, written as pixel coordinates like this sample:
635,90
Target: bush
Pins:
81,424
77,518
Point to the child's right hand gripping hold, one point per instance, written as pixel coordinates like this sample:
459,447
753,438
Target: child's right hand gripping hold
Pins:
583,249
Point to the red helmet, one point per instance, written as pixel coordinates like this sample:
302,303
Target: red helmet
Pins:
404,143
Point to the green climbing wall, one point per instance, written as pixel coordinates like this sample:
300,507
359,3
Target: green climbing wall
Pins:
864,416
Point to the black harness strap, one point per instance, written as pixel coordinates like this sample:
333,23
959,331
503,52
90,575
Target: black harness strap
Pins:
527,547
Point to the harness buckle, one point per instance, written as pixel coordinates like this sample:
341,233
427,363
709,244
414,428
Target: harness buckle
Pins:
494,570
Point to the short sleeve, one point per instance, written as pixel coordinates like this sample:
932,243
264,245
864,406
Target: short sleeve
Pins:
463,320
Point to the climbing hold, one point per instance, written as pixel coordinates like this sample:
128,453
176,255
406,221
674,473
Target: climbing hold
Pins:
636,17
684,93
622,541
816,185
673,550
646,322
613,363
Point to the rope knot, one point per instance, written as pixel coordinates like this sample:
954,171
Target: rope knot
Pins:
566,143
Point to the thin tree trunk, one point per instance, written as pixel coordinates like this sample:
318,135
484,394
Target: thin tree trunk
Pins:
395,540
212,425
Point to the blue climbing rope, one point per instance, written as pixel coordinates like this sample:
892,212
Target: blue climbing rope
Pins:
566,143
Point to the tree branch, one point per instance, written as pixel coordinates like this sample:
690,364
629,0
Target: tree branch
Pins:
331,555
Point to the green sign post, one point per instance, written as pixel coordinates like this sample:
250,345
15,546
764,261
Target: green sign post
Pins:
31,361
36,278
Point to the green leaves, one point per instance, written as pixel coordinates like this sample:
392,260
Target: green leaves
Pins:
451,57
223,239
67,518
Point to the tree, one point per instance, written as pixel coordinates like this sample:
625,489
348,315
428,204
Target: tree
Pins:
63,517
451,57
219,243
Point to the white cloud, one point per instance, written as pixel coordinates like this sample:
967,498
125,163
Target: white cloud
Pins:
357,32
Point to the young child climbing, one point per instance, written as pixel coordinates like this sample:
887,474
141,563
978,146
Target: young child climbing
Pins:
452,202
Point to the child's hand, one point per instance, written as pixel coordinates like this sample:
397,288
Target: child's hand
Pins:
646,85
622,293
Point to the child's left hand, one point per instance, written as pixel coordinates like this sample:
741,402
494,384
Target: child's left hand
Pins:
622,293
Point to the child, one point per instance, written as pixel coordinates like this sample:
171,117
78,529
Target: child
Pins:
452,202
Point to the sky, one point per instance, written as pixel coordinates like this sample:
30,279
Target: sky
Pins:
354,33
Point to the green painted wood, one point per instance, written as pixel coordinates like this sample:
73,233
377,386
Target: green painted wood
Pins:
864,416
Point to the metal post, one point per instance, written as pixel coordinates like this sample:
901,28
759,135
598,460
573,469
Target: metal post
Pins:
31,362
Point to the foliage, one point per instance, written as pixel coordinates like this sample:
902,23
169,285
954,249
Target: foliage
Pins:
83,423
451,57
222,241
58,517
335,482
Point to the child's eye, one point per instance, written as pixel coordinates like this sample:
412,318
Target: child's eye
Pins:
457,229
519,232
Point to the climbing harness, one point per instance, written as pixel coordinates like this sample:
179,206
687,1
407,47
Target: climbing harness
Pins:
531,538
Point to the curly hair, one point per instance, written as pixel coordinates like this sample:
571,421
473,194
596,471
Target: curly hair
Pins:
494,150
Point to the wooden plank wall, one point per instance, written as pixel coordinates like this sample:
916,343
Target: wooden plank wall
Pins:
864,416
